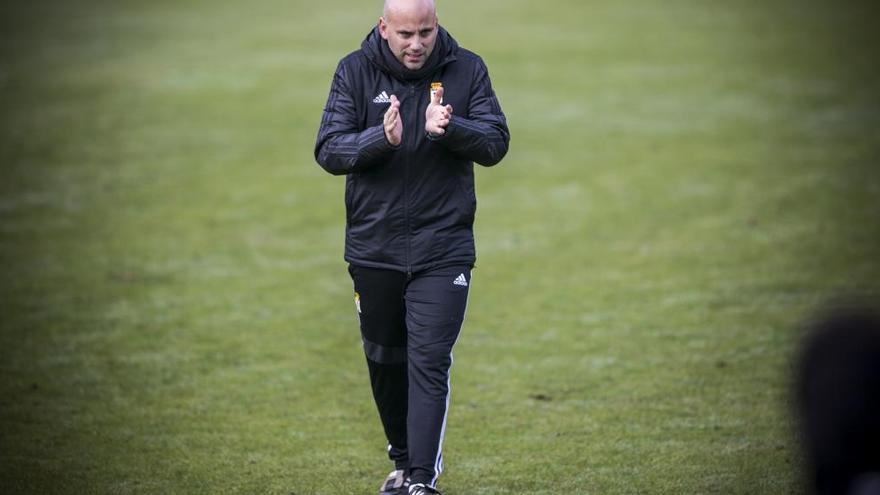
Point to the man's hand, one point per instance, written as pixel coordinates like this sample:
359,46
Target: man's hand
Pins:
393,123
437,116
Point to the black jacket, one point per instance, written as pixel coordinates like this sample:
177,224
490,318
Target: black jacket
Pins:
410,207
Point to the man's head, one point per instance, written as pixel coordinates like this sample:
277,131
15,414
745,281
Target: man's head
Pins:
410,28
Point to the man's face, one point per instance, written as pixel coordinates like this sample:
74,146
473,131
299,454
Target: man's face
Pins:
411,34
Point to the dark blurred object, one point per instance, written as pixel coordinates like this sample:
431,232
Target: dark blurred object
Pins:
838,399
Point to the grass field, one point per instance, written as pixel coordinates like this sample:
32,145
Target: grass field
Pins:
687,182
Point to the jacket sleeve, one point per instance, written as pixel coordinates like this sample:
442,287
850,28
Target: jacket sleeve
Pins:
483,135
342,146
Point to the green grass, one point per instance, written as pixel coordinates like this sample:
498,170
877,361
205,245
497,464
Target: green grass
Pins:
687,182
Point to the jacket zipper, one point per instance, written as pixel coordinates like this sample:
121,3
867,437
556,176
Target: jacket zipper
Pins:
413,138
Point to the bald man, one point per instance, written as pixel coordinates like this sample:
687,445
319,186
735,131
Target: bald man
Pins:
408,115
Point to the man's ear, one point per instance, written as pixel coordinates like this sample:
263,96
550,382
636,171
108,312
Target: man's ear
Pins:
383,28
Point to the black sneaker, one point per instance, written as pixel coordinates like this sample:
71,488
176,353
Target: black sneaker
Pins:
395,484
423,489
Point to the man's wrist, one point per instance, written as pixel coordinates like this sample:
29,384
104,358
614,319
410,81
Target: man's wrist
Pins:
389,141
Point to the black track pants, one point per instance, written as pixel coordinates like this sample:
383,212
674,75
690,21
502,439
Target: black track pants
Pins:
409,325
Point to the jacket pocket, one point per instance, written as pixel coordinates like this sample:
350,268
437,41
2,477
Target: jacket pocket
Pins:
349,194
467,204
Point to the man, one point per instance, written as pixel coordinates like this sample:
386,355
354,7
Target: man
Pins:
407,116
838,404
